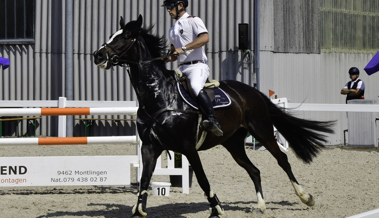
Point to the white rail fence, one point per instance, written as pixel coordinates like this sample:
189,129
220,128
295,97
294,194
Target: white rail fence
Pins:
361,114
362,117
283,102
33,108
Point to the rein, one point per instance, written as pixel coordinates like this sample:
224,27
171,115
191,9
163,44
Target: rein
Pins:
115,59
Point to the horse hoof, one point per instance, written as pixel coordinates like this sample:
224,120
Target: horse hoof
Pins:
258,211
261,208
138,212
311,201
261,211
216,211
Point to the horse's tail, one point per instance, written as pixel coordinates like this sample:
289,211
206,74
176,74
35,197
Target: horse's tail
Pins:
305,137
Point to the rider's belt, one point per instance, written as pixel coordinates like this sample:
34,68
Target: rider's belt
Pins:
192,62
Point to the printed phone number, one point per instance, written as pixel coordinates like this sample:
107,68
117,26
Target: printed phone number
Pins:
80,179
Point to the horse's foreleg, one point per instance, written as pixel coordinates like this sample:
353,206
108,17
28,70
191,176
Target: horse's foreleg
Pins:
214,203
150,155
139,210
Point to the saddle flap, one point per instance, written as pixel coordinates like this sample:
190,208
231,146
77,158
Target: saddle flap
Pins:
217,95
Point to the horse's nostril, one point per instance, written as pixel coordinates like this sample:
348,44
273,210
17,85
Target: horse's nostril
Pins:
99,57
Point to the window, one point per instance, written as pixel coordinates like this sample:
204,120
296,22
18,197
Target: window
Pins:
17,21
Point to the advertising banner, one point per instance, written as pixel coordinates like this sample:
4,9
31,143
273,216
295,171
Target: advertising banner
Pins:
66,170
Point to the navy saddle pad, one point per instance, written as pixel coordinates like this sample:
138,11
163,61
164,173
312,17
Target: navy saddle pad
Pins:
221,98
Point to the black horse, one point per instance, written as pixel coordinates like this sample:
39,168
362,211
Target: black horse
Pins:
166,122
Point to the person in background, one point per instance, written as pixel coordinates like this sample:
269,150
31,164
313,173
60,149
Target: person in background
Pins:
354,89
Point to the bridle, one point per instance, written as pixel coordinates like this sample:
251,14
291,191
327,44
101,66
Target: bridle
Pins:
115,58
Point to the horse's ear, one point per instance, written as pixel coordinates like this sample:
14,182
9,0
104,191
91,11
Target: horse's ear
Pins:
122,22
139,21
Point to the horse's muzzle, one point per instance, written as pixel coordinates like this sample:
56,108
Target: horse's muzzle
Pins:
100,59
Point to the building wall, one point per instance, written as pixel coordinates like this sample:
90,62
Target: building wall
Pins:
37,71
296,28
349,26
346,37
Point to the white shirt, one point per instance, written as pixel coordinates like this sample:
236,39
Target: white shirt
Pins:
360,85
185,31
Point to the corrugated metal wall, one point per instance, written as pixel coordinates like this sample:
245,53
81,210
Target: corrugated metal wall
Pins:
297,26
350,26
37,71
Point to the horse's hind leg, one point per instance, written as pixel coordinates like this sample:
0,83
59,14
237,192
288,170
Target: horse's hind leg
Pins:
272,146
260,127
236,147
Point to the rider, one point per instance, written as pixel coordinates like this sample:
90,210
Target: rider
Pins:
188,37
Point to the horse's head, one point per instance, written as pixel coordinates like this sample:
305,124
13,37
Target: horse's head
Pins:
120,45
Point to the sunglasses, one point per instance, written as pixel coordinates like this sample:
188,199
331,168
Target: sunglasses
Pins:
170,7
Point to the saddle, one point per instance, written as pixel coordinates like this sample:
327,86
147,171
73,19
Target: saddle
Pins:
216,94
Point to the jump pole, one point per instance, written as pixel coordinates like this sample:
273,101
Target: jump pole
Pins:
86,140
70,140
67,111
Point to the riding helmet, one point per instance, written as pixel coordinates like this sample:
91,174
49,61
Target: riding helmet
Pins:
353,71
166,2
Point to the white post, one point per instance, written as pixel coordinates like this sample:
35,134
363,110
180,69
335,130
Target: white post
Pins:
62,119
171,163
185,175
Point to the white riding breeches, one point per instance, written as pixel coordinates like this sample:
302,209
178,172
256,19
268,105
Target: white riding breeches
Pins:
197,75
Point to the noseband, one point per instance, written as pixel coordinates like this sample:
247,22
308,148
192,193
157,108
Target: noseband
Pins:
115,58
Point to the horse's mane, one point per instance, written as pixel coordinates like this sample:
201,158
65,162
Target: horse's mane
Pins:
155,43
157,46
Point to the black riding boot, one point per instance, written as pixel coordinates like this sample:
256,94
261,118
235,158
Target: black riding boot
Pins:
205,104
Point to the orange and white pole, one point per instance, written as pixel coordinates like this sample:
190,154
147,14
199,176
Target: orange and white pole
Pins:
68,111
70,140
